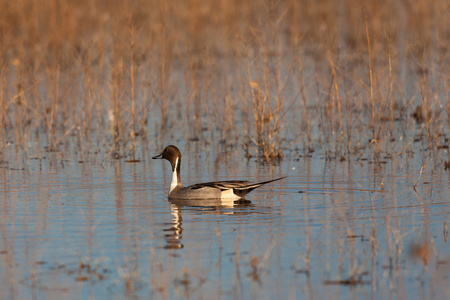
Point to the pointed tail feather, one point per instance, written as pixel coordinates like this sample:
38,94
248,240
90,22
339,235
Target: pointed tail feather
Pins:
244,190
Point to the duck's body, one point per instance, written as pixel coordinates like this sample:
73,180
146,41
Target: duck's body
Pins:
231,190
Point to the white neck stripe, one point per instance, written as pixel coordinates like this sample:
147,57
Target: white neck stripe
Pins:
174,177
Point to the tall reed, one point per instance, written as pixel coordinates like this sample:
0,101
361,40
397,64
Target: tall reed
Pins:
2,99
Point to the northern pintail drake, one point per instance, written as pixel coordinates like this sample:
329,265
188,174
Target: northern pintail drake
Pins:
231,190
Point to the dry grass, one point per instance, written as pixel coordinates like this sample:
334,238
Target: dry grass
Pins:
268,75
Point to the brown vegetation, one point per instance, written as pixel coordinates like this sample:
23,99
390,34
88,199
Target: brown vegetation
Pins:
268,75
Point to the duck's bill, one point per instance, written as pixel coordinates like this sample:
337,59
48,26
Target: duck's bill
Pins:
158,156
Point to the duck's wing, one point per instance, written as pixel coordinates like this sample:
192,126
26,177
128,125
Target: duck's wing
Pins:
255,185
221,185
241,187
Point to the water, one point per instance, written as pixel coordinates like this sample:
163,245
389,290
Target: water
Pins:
353,229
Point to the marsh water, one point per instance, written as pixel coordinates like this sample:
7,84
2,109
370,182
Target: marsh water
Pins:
334,228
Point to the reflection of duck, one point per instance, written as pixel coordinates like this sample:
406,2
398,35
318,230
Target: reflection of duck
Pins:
213,204
235,189
174,238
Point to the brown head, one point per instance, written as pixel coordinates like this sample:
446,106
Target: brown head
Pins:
171,153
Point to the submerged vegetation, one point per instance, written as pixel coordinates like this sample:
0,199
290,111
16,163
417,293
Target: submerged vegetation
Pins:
263,75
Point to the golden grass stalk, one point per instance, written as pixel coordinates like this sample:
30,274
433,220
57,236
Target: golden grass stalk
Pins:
163,70
424,98
338,98
2,98
133,119
372,107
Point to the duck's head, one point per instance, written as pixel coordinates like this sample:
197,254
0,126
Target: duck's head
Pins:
172,154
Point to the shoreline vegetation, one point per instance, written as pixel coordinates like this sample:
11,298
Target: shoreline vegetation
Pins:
265,76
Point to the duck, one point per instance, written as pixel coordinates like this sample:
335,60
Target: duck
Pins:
224,190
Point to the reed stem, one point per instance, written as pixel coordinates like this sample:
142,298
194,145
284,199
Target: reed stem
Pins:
372,106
